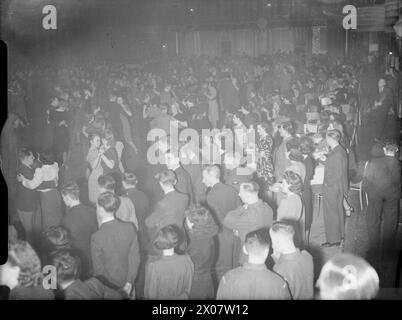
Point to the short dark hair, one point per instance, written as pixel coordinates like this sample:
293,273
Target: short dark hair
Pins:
267,126
168,237
293,143
283,226
257,240
109,202
391,146
251,186
67,265
197,213
71,190
47,157
296,155
107,181
167,177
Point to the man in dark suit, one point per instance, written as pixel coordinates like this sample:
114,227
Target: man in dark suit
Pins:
169,210
221,199
191,163
334,189
140,201
67,268
235,172
114,247
80,221
183,178
142,208
382,182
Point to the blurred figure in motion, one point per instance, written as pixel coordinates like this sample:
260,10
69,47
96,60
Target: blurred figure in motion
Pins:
348,277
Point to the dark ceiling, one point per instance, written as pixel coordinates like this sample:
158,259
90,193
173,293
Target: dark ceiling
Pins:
21,20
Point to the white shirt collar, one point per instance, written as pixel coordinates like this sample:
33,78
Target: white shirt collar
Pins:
106,220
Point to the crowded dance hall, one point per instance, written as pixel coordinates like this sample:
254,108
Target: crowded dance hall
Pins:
202,150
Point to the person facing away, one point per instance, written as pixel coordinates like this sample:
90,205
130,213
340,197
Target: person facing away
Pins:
183,183
126,210
348,277
80,221
114,247
292,264
68,269
24,273
221,199
252,215
170,276
201,229
253,280
169,210
382,182
140,201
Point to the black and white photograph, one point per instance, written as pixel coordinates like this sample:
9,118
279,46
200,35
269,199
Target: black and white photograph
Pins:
220,151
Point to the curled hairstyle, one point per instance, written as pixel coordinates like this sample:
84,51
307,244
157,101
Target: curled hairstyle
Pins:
197,214
294,181
168,237
306,145
21,254
92,136
58,237
130,178
109,202
296,155
67,265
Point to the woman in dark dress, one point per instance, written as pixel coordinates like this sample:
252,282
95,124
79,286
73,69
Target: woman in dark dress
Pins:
201,229
170,276
264,148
